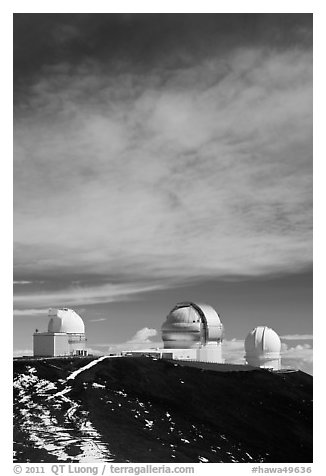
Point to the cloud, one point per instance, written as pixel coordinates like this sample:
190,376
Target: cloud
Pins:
29,352
233,351
143,335
298,357
186,173
92,351
22,352
297,337
296,350
77,295
31,312
129,346
141,340
98,320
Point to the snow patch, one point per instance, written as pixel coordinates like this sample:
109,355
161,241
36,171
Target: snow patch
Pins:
149,423
86,367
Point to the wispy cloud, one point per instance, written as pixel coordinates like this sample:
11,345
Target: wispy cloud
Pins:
297,337
76,295
31,312
98,320
202,171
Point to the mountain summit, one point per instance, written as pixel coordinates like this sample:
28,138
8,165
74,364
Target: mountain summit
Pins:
123,409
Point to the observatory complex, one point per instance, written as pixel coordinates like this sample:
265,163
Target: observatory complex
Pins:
191,333
263,348
65,335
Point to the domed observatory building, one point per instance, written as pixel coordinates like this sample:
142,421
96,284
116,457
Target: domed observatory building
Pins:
263,348
65,335
193,332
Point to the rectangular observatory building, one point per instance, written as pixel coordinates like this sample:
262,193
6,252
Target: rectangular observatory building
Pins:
50,344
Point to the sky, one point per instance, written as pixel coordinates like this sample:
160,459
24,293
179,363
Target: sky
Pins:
161,158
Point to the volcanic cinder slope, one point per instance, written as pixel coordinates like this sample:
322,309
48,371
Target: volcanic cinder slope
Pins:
124,409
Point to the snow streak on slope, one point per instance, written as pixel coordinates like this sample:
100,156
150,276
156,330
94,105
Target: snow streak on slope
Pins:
86,367
56,427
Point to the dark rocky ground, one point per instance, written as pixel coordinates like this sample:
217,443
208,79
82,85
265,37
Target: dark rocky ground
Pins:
144,410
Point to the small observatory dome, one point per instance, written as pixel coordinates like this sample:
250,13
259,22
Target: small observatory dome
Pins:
263,348
191,325
65,320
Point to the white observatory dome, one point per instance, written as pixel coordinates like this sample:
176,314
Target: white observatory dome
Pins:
191,325
263,347
65,320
